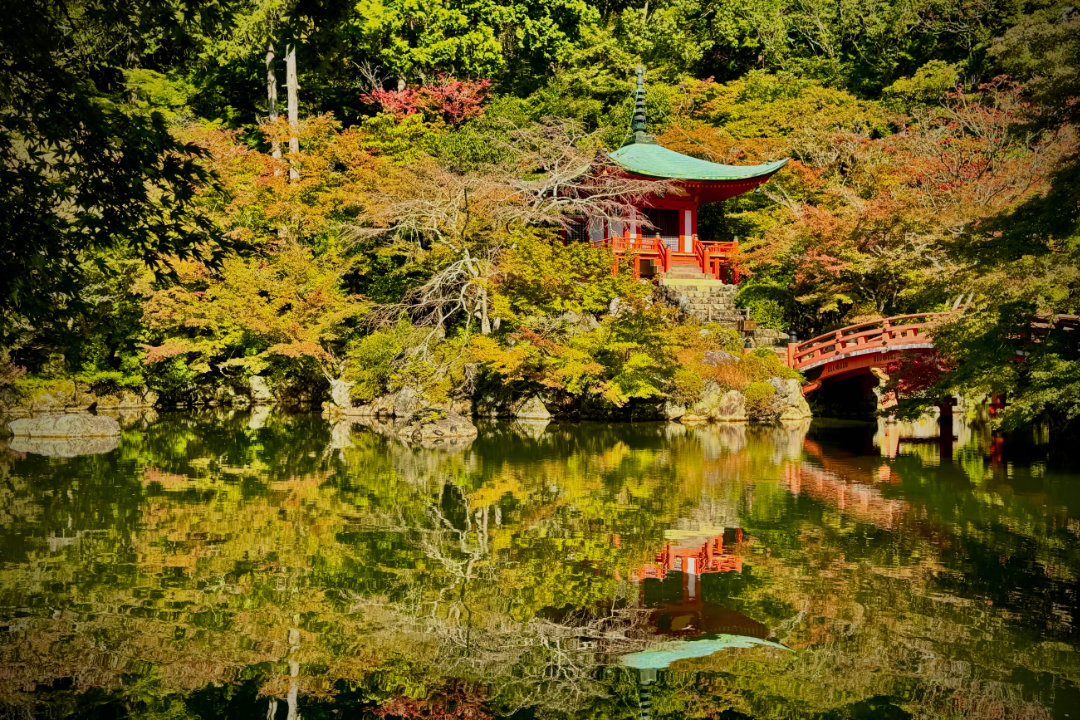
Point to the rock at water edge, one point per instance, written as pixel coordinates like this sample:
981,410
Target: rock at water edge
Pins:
438,426
789,403
260,390
531,408
340,393
406,402
718,405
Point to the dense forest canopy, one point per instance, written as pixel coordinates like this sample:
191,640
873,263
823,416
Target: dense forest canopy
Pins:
170,219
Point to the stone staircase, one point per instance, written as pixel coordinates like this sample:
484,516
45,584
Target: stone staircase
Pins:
709,300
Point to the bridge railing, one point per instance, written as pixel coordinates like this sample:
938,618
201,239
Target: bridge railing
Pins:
873,336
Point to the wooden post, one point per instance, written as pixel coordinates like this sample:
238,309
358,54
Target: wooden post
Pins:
292,88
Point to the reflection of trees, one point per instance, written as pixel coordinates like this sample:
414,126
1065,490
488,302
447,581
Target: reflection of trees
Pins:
887,594
203,550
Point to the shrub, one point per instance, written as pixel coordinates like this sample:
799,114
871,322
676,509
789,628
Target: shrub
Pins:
686,386
171,378
758,399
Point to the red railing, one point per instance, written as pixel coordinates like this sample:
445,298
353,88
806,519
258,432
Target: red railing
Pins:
902,330
716,259
647,247
702,255
720,258
662,254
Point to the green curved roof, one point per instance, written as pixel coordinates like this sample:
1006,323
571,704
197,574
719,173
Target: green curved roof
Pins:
643,158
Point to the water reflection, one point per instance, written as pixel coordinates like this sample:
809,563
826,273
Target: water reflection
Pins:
235,564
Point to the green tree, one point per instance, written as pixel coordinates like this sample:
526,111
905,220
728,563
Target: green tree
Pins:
82,171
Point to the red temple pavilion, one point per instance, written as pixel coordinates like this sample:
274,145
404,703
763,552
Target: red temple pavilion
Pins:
660,236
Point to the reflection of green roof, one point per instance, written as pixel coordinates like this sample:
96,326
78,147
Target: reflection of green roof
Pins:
651,160
666,653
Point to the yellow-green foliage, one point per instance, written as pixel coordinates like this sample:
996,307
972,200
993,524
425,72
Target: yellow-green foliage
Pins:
764,363
761,104
930,83
758,394
686,386
642,352
34,388
402,140
285,307
541,275
370,360
388,359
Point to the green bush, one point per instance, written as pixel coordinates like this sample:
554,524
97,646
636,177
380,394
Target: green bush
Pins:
172,378
758,395
686,386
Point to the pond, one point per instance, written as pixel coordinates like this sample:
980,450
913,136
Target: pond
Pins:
275,567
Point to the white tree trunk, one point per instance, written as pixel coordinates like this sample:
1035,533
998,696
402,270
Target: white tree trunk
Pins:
271,100
294,113
485,322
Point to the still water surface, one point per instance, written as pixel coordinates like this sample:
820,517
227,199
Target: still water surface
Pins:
275,567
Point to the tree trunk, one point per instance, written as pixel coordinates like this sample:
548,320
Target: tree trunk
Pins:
271,101
485,321
294,114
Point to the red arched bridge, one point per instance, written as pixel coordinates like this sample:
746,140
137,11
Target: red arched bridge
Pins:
859,349
855,349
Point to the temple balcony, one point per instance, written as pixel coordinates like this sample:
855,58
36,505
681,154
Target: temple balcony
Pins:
657,256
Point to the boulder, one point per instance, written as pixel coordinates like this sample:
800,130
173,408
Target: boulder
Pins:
382,406
530,408
139,397
65,426
489,404
731,408
789,404
582,322
719,357
673,410
260,390
406,402
340,393
717,405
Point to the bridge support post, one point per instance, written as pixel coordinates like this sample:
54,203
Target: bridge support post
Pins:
945,427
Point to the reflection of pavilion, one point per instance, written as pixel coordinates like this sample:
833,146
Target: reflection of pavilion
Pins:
693,556
698,628
672,586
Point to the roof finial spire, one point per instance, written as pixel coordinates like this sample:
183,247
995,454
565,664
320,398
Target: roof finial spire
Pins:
637,127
